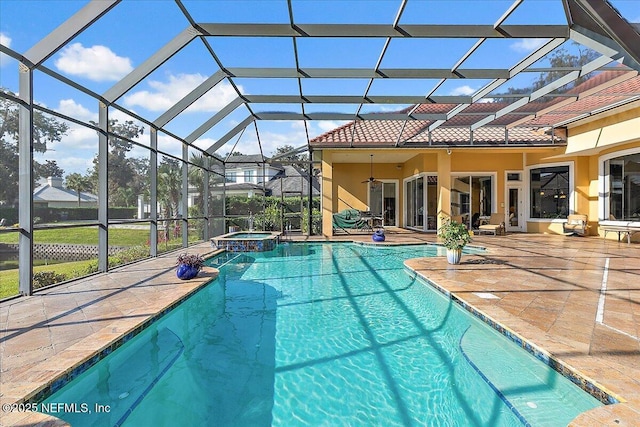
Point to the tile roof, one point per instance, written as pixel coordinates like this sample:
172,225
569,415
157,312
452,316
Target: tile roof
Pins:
293,180
529,124
48,193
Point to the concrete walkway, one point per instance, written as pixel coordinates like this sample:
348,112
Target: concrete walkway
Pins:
547,289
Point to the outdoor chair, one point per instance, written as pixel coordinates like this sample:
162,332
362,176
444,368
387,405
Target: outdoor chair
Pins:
576,224
350,220
495,225
457,218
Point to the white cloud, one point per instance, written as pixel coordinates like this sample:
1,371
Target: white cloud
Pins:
527,45
5,40
97,63
70,108
463,90
163,95
327,125
204,143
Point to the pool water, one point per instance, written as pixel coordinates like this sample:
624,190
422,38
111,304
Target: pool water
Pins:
247,242
322,335
249,235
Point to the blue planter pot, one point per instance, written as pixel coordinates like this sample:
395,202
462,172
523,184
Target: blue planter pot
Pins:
378,236
186,272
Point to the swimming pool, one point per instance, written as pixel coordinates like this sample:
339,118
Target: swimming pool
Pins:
322,334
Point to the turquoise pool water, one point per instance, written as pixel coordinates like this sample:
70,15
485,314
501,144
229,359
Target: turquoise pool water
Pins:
248,235
321,335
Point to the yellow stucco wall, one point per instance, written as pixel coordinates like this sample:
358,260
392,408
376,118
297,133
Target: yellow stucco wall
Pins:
602,133
607,135
616,132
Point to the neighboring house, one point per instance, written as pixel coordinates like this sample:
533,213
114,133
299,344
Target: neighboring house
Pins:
253,175
249,169
244,177
293,181
53,194
539,161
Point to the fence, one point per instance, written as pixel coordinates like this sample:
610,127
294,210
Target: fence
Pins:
56,251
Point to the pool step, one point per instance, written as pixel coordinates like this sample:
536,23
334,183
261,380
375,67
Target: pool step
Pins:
537,394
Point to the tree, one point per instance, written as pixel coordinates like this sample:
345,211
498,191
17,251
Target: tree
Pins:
46,130
296,157
559,58
196,179
49,168
169,188
122,169
77,183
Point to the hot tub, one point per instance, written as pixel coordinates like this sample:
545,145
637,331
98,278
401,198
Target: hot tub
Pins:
247,241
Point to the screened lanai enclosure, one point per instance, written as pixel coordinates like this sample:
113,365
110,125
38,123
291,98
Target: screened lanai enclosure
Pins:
133,128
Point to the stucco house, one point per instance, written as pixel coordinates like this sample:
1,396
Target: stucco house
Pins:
537,161
255,175
53,194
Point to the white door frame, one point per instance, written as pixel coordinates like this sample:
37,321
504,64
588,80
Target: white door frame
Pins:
396,196
519,186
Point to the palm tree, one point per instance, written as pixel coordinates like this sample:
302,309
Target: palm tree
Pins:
196,179
78,183
169,187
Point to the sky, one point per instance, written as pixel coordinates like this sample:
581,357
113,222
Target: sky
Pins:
131,32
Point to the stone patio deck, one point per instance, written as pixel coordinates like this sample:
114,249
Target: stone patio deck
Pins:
545,288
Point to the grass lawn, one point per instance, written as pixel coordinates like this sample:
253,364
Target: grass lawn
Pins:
9,278
130,237
84,235
73,269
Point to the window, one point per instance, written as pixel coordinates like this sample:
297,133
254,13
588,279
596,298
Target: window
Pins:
550,192
624,187
248,175
231,177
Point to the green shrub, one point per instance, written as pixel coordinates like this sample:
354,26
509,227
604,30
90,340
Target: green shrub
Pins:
126,256
46,278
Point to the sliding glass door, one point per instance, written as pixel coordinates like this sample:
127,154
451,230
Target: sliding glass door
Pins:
472,199
383,201
421,195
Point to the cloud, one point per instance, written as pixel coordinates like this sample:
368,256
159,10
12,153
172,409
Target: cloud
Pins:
163,95
5,40
527,45
463,90
328,125
97,63
70,108
204,143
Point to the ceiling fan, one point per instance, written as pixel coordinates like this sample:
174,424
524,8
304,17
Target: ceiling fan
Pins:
371,179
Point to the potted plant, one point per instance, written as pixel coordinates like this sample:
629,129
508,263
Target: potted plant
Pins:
454,236
189,266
